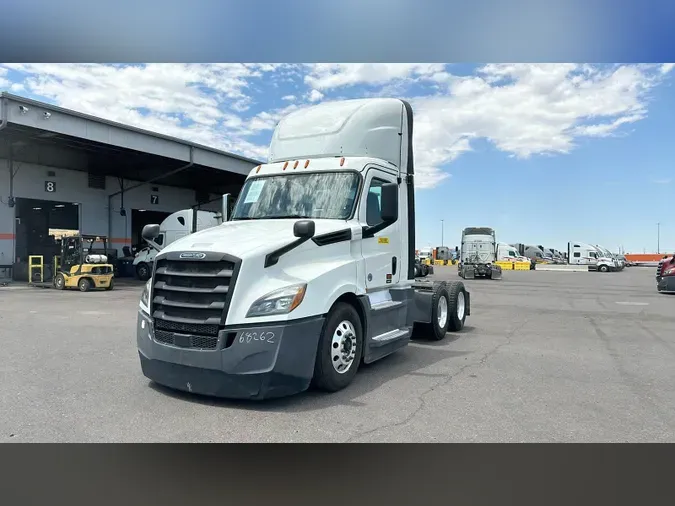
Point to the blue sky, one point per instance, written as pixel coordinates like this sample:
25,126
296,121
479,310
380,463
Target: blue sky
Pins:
544,153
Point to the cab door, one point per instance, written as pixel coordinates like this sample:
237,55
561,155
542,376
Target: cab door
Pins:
381,249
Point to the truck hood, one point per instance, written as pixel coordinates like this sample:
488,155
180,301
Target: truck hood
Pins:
248,238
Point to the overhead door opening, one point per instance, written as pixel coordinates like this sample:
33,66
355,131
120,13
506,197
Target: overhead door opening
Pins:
40,226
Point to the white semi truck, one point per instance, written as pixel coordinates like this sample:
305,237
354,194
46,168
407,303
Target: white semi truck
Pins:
507,253
174,226
478,254
581,253
312,275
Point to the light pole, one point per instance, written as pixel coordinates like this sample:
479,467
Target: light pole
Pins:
442,234
658,238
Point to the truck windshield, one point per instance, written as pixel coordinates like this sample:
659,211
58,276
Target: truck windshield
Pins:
327,195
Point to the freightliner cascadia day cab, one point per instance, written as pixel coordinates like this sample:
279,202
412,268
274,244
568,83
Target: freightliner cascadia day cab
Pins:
312,275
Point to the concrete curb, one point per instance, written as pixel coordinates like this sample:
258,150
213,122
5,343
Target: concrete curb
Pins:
562,268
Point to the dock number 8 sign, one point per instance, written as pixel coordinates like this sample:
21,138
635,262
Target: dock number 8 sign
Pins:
50,186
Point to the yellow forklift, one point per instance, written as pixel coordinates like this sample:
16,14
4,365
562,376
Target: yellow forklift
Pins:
82,266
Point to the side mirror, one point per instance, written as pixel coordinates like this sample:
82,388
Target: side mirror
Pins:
304,229
389,202
150,232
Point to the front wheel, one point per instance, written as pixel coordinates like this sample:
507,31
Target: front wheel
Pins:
143,271
60,281
340,349
111,285
603,268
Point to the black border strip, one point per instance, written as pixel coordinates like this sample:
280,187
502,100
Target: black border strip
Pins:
471,474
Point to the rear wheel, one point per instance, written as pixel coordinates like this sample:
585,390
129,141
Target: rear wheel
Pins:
84,285
340,349
60,281
440,315
111,285
457,294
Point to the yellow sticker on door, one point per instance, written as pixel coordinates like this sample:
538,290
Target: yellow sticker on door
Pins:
383,240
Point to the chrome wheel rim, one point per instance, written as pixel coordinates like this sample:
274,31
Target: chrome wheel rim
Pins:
442,312
461,305
343,347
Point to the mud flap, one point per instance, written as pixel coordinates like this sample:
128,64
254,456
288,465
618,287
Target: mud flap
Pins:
496,272
468,272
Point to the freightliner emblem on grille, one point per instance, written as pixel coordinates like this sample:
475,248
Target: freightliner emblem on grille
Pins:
193,255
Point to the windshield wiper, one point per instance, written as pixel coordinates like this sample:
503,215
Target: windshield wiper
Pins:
287,217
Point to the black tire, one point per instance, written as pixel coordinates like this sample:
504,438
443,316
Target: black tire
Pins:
603,268
111,285
326,377
84,284
418,271
143,271
457,293
60,282
435,330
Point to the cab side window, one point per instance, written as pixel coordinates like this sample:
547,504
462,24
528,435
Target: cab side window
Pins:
373,196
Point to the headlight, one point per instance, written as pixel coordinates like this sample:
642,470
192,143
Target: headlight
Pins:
281,301
144,303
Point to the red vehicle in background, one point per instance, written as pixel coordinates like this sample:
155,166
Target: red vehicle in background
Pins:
665,275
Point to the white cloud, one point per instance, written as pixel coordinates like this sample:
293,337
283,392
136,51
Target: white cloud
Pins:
190,101
315,96
526,110
325,76
522,109
4,83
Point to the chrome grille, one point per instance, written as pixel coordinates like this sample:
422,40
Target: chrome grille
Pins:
191,297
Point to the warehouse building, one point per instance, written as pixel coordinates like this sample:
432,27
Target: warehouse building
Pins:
62,172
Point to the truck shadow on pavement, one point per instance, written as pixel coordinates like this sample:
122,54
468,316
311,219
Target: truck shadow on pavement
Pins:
410,361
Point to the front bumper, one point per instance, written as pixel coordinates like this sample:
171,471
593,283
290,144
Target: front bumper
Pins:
257,362
666,284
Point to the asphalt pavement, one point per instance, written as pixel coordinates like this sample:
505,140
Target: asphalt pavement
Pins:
545,356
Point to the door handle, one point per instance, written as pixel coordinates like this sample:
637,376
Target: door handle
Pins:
393,266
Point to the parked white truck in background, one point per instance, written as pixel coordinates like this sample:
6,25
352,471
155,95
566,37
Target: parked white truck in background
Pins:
507,253
605,253
313,274
478,254
580,253
174,226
